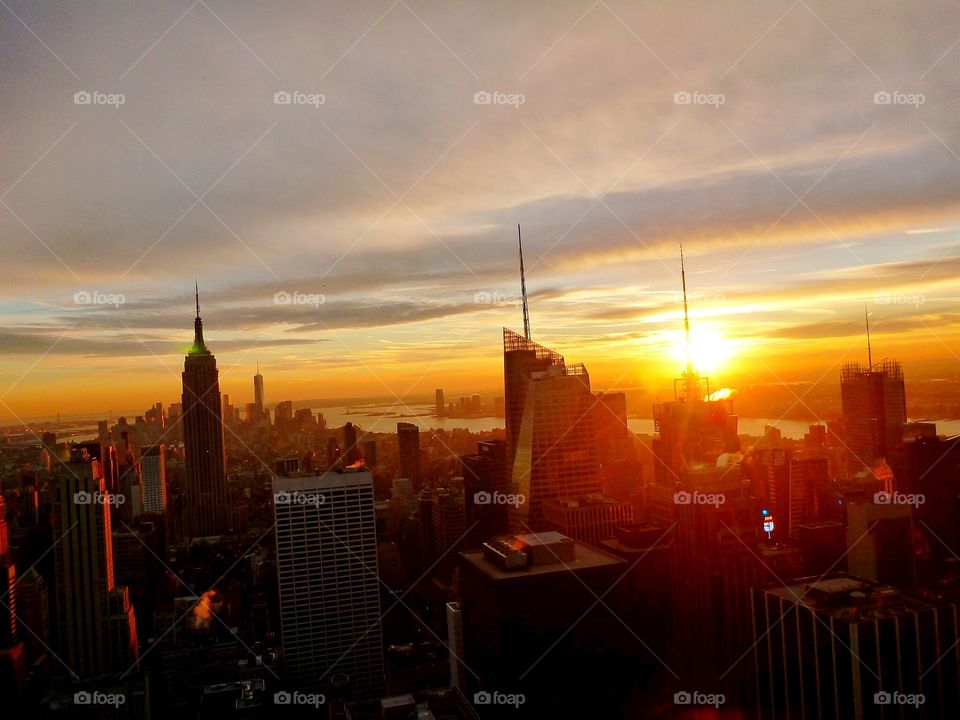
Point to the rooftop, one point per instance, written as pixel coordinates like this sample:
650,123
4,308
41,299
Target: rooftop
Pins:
309,481
851,598
585,557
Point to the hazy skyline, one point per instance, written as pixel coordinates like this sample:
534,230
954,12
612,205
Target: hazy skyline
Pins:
798,197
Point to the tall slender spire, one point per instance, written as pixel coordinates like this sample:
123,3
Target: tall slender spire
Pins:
866,315
686,313
523,288
198,345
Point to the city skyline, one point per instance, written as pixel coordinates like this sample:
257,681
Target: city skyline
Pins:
789,233
570,359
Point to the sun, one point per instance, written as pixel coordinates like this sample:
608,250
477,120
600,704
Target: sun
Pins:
710,349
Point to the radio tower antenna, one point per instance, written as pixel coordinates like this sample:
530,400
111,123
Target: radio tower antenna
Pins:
866,315
523,288
686,313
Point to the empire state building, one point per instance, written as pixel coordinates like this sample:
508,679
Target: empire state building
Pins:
203,510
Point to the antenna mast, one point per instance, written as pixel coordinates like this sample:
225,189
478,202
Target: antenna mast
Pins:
866,315
686,313
523,289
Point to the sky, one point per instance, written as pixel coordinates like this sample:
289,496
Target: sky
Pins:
360,239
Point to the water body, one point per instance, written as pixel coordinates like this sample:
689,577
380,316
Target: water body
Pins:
384,419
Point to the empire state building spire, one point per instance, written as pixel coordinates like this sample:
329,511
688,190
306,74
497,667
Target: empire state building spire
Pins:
199,346
204,502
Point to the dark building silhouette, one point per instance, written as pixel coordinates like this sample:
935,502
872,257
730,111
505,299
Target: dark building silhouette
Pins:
531,625
933,470
97,628
880,542
484,475
351,453
693,432
257,396
13,660
368,450
333,453
203,505
408,439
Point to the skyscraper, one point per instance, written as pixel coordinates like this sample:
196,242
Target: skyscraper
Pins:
258,394
441,407
351,452
874,412
327,576
97,630
840,647
12,653
408,438
203,509
153,474
551,450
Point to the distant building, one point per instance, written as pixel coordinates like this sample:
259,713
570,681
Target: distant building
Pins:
551,451
351,453
823,545
874,412
845,648
447,519
368,450
455,645
153,474
440,407
257,395
880,542
13,658
203,505
933,470
408,439
283,413
402,497
590,519
484,483
326,548
97,629
33,611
